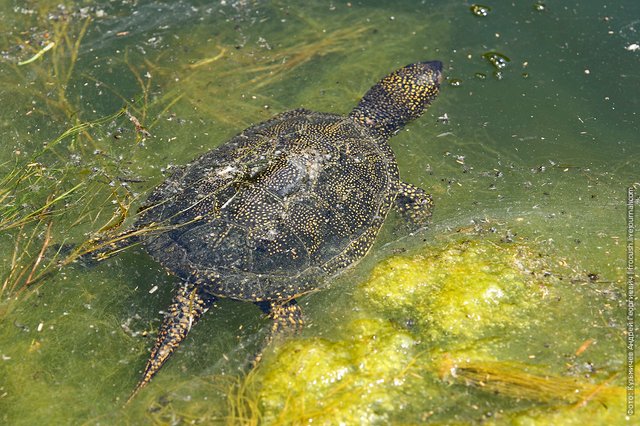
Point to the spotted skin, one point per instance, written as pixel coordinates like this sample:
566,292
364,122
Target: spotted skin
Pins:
399,98
190,302
277,210
415,205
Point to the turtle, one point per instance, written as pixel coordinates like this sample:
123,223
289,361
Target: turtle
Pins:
278,210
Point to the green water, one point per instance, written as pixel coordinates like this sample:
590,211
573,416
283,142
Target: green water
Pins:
536,155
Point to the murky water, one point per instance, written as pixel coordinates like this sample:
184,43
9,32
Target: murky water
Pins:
528,153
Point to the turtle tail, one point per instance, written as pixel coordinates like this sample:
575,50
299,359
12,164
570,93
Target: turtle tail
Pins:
189,303
398,98
102,248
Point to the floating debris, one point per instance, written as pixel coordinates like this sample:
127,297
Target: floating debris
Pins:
498,60
480,10
539,7
139,127
38,54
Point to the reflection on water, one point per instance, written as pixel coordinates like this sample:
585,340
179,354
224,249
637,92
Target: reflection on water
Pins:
530,146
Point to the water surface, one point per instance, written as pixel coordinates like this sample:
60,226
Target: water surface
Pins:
533,142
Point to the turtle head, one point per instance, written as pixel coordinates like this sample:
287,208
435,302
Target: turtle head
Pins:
398,98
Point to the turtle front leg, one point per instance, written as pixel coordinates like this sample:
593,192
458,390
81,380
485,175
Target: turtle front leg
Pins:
414,205
287,318
189,303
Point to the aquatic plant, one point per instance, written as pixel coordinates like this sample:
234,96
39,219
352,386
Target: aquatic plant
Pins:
472,290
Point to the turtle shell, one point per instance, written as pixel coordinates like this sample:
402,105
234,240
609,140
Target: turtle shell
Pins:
277,209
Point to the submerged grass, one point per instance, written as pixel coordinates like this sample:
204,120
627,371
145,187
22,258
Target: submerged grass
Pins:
49,198
514,380
50,79
36,202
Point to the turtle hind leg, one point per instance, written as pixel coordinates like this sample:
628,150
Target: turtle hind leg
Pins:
287,319
415,205
189,303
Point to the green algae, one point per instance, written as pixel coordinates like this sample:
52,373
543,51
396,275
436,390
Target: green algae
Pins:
356,380
471,290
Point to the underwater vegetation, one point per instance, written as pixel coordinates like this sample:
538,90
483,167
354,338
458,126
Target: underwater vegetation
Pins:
476,288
